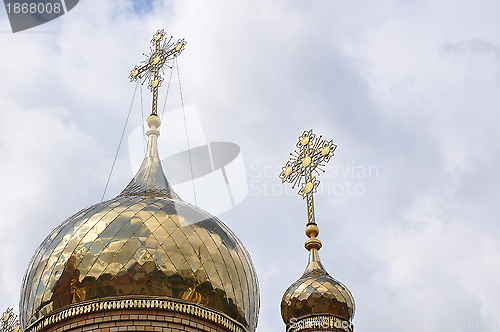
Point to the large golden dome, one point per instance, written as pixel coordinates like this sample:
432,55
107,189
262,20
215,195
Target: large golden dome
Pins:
146,241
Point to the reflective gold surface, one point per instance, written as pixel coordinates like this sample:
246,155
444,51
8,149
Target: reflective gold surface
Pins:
141,246
312,230
136,245
313,243
316,292
306,162
146,241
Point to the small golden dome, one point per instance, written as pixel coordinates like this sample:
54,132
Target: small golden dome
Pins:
144,242
316,297
316,293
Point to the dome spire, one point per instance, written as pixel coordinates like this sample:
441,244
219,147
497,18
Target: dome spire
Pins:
150,179
313,245
315,300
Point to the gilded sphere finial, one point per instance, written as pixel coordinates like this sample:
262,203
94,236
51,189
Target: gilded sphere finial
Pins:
154,121
312,230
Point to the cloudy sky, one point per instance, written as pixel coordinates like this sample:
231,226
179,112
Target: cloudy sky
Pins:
409,91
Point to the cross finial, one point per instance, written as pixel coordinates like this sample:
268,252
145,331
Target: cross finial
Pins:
311,155
152,68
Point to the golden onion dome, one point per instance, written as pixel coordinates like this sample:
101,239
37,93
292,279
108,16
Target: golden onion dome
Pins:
146,241
316,293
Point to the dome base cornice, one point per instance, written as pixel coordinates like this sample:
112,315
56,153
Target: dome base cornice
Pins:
135,303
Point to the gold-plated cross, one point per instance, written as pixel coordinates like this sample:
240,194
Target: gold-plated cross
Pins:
311,155
152,68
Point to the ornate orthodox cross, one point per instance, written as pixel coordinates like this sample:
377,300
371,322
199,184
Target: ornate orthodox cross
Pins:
311,155
152,68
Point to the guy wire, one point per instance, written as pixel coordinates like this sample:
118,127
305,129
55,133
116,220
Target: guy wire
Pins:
168,88
120,143
185,127
143,133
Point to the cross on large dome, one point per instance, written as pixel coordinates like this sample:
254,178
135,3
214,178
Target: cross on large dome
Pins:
146,243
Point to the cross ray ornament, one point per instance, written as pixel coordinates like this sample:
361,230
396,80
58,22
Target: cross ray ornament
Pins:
9,322
311,155
152,68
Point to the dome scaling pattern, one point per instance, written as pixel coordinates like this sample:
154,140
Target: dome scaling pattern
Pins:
316,293
146,242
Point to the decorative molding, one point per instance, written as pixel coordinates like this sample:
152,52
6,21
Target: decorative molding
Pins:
170,304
